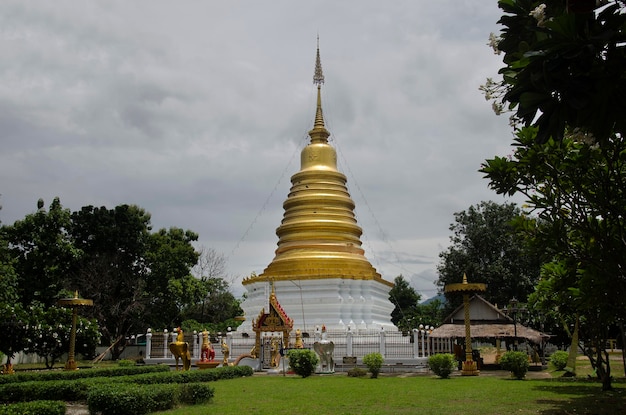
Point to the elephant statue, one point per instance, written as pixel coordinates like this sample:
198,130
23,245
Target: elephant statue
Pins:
324,350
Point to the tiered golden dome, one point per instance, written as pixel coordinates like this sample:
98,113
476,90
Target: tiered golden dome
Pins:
318,237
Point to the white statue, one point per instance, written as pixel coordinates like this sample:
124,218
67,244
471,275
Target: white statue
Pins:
324,349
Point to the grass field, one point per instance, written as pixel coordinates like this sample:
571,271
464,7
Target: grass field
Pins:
339,394
493,392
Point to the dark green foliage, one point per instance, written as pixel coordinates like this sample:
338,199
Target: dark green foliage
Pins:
442,364
558,359
302,361
82,374
123,399
486,246
516,363
132,398
564,76
73,390
34,408
357,372
566,69
405,298
374,362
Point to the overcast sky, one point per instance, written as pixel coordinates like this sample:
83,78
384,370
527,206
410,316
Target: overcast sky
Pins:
197,112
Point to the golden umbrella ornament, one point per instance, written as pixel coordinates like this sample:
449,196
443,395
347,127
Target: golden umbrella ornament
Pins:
469,365
74,304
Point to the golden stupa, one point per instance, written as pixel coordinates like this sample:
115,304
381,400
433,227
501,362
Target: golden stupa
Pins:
320,271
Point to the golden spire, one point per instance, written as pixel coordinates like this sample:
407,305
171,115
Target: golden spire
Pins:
319,236
319,133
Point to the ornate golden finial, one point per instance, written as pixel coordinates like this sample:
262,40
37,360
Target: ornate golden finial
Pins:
318,76
319,133
464,278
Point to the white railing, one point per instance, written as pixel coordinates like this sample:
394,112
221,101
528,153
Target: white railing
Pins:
399,345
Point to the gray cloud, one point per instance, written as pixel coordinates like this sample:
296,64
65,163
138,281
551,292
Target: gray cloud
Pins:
197,112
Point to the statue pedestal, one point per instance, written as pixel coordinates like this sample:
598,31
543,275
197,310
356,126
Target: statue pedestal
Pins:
211,364
469,368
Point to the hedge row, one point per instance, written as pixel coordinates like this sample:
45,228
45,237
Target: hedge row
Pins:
191,376
121,399
34,408
82,374
78,390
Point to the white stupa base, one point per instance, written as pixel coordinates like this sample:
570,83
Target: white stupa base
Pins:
334,302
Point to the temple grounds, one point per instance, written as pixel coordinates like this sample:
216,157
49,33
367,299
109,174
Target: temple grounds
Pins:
489,393
492,392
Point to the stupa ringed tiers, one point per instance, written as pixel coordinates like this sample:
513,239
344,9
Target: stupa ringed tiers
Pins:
319,271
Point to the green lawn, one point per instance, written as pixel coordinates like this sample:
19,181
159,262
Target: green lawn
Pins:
339,394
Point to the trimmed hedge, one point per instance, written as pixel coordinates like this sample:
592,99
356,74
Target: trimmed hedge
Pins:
34,408
191,376
67,390
82,374
121,399
79,390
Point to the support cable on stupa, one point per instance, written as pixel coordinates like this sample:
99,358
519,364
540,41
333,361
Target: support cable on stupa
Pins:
319,268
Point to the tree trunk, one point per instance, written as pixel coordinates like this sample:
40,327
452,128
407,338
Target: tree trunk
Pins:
118,348
603,367
573,351
623,332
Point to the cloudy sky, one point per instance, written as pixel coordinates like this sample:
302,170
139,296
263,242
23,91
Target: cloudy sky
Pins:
197,112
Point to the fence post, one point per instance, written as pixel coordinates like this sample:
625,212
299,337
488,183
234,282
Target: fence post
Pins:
349,351
416,343
195,339
148,343
166,350
229,339
383,350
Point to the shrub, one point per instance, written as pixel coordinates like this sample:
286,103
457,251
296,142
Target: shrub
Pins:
373,361
357,372
442,364
35,407
558,359
516,363
302,361
122,399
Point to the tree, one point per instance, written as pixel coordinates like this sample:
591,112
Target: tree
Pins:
578,191
42,252
564,66
564,77
170,287
486,247
217,305
406,300
112,270
49,337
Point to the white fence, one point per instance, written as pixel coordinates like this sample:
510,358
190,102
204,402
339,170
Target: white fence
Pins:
408,347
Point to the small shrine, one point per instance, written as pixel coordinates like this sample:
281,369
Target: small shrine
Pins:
275,319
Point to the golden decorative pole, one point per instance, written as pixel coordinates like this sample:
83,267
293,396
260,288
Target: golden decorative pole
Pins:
74,303
469,365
